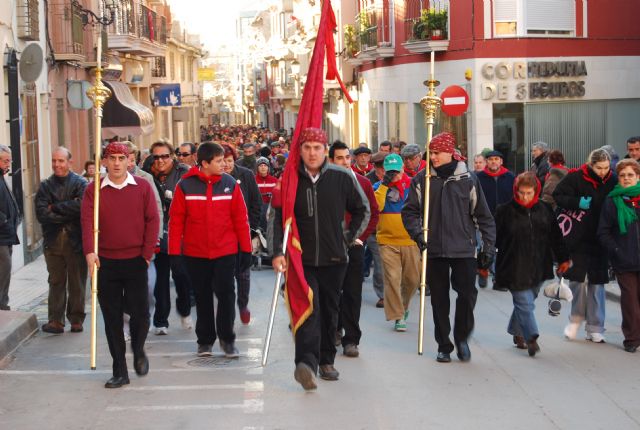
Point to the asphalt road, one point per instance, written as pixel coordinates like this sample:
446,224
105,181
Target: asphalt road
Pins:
568,385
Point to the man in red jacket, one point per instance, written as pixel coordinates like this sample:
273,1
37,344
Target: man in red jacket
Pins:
129,227
351,298
208,225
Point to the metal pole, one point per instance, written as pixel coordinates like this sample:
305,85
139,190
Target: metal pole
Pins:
430,103
274,300
99,95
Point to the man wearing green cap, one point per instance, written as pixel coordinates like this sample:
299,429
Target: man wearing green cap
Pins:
400,255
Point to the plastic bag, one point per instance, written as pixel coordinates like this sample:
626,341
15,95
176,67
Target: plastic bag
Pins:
559,290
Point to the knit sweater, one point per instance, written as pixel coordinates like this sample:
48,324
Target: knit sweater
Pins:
128,221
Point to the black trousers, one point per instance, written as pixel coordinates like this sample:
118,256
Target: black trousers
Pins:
243,280
351,297
315,339
463,280
123,283
173,266
210,277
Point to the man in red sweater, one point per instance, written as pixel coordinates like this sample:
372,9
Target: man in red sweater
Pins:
129,224
209,226
351,298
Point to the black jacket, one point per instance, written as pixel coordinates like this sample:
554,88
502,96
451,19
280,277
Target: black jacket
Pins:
58,203
497,189
623,249
525,241
456,208
320,210
248,163
252,198
540,166
586,252
9,215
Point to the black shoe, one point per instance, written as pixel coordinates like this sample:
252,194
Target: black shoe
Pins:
305,376
338,340
498,288
117,382
328,372
533,347
141,364
204,350
463,351
230,350
351,350
443,357
631,348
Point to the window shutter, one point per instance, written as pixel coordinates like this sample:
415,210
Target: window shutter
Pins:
505,10
550,15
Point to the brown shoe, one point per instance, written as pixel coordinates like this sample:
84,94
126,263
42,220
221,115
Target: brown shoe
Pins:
328,372
54,327
519,342
380,303
76,328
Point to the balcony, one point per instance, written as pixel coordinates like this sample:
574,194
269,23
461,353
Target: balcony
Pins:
426,26
374,26
67,32
28,21
138,30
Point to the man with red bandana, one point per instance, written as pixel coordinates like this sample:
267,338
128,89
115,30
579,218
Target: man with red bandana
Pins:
457,207
497,184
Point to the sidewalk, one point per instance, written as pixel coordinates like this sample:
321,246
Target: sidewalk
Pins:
27,299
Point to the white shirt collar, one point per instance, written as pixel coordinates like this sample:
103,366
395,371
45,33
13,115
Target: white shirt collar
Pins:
314,178
128,181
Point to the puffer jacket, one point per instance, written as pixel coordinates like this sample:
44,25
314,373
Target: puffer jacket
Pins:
457,207
58,203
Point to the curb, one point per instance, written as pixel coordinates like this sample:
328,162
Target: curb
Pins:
15,328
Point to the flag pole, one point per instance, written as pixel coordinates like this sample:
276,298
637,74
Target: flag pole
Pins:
98,94
274,300
430,103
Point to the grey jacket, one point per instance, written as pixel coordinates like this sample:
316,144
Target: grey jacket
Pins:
457,208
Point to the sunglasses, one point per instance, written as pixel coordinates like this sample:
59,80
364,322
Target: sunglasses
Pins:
162,157
183,154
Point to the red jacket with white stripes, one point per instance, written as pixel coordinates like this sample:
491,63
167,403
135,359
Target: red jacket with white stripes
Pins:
208,217
266,185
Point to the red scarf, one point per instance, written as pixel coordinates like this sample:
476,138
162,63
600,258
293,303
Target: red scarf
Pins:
411,173
500,171
533,201
586,175
364,171
401,185
633,202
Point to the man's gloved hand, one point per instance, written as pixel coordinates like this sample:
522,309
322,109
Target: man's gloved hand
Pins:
244,262
389,175
419,240
585,203
485,259
563,267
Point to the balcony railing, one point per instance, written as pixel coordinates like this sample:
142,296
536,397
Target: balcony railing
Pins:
374,26
158,67
426,25
67,33
137,21
28,23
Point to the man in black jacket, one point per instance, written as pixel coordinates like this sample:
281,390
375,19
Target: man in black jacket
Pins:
167,173
324,193
58,203
253,200
454,212
9,220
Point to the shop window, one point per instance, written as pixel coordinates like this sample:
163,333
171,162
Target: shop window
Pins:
530,18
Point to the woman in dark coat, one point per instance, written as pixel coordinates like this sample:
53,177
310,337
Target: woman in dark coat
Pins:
527,234
619,232
579,197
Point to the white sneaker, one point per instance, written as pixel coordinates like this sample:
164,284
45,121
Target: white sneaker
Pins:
595,337
187,322
571,330
161,331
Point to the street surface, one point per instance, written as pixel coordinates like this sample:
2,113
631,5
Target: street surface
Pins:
568,385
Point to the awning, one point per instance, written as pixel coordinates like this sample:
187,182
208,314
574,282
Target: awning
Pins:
123,115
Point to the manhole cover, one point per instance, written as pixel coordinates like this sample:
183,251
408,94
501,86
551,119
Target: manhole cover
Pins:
212,362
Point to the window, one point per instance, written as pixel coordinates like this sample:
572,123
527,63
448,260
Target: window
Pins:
172,65
183,63
28,23
530,18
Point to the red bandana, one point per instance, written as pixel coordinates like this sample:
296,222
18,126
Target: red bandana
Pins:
313,135
501,171
445,142
116,148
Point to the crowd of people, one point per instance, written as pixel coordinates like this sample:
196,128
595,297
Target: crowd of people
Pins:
199,213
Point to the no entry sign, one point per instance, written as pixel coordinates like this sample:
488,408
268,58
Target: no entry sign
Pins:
455,100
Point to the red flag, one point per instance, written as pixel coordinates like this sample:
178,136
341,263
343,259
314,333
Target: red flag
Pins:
298,293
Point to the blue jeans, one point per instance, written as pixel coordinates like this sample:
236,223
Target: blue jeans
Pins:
523,320
378,274
588,304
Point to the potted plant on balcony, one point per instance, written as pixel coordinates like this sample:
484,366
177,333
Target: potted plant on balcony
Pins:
421,26
351,42
363,30
437,23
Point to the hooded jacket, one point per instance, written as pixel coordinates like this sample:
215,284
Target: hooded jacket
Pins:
208,217
457,207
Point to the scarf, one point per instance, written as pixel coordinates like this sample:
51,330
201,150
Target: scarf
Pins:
533,201
588,175
411,173
626,215
446,170
401,185
501,171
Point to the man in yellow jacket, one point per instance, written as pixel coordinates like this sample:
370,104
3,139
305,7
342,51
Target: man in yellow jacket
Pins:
400,255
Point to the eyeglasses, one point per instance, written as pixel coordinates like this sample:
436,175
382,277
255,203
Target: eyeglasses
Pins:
183,154
161,157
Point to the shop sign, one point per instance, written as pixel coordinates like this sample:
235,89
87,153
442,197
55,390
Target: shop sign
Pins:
533,80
